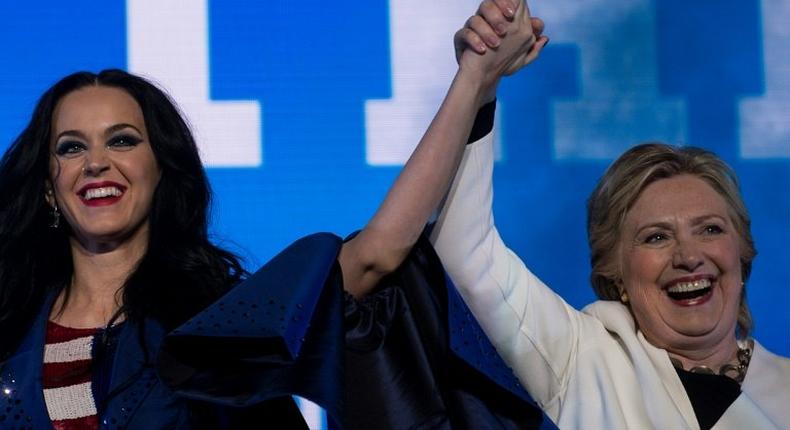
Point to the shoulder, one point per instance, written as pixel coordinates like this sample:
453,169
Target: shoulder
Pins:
614,316
316,250
316,242
766,382
764,360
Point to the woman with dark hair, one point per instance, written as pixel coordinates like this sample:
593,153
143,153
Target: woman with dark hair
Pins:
178,254
104,227
108,278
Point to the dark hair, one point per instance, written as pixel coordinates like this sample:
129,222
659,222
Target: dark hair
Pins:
181,271
622,184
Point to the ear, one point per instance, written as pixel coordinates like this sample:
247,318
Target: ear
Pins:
623,297
618,283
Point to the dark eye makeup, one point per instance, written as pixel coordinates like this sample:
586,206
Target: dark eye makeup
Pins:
69,147
124,140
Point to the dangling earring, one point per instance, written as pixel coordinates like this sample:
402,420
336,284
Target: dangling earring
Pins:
55,217
624,297
55,223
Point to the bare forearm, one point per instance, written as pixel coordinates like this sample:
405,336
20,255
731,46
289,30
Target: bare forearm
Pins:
384,243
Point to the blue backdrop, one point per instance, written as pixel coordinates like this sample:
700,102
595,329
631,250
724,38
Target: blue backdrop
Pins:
306,110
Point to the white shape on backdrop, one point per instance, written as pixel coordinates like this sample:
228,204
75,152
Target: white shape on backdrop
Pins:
765,120
619,104
423,64
168,42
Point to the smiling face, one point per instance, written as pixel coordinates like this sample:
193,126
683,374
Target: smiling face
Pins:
102,169
680,264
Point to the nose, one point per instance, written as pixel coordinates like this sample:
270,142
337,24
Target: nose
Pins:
687,256
96,162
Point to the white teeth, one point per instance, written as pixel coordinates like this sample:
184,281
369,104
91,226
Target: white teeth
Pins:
685,287
97,193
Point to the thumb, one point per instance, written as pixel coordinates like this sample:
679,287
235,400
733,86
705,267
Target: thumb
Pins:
522,10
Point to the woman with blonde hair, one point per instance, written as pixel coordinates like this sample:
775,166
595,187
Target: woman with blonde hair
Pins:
668,344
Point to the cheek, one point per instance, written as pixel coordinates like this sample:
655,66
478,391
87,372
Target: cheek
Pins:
726,254
63,174
54,171
642,270
642,265
153,175
729,262
148,174
140,168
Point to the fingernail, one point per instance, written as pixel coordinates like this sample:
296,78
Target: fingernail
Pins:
481,48
500,28
493,42
510,12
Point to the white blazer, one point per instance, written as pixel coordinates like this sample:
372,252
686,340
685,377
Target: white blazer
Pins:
591,369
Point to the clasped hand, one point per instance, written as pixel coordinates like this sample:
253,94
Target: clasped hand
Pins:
499,39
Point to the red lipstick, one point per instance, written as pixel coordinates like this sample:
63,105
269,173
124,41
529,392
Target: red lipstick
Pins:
90,198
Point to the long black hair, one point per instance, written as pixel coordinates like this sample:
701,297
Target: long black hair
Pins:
181,271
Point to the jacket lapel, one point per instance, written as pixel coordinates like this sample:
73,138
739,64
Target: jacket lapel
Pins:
760,405
21,393
133,375
743,413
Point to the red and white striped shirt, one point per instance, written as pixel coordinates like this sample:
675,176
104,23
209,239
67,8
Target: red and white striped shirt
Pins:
67,376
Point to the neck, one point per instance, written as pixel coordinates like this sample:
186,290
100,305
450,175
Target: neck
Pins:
100,272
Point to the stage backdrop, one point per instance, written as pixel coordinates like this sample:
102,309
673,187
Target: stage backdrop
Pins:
305,110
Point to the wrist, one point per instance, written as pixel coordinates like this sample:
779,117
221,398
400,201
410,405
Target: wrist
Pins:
481,84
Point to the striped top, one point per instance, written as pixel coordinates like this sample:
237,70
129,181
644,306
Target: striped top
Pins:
67,377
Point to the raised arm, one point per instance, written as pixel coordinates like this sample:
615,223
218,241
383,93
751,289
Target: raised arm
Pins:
533,329
386,240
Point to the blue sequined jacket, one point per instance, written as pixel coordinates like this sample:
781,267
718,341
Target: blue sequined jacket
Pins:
408,356
236,362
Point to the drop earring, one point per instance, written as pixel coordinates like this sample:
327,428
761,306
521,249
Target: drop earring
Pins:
55,217
55,223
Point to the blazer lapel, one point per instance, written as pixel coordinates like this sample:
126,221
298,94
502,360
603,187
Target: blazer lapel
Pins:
21,393
743,413
133,375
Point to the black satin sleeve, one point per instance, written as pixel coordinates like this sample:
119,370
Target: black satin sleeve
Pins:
401,372
484,122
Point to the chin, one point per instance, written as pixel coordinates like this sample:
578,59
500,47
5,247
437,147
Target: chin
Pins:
696,332
109,234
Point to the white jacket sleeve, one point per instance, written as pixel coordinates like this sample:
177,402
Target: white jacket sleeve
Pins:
533,329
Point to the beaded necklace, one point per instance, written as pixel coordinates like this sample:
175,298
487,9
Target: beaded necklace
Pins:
735,370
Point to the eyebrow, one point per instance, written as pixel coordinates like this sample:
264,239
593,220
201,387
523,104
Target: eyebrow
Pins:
660,224
668,226
75,133
110,130
702,218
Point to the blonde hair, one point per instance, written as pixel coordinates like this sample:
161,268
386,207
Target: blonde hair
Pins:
621,185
